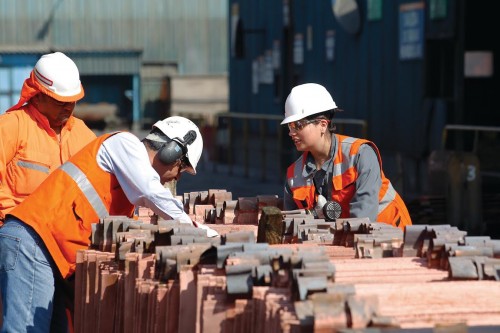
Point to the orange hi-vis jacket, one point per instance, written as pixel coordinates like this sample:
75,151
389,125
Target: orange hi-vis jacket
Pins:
30,150
392,209
72,198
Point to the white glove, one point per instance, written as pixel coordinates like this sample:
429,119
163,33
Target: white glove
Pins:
210,232
319,207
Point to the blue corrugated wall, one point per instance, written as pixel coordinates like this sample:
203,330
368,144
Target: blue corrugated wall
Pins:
367,78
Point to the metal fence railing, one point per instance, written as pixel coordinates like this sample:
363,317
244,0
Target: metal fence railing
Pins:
475,143
255,143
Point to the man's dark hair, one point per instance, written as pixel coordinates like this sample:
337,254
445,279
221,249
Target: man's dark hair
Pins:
156,145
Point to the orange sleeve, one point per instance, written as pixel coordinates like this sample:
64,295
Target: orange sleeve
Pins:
9,137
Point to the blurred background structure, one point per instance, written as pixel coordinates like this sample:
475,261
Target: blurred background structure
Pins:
415,76
130,54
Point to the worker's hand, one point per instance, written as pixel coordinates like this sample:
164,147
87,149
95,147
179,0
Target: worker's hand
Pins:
210,232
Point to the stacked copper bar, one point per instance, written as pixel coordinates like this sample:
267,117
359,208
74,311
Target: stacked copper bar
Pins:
388,292
316,276
217,206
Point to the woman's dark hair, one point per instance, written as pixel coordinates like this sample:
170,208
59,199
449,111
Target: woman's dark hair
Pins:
328,115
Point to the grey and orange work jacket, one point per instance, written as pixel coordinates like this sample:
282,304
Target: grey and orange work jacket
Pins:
391,209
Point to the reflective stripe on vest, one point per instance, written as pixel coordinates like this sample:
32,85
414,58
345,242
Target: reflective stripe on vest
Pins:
388,198
86,187
340,168
33,166
347,161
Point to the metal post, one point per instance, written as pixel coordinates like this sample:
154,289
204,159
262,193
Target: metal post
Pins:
263,148
136,107
245,147
279,149
230,146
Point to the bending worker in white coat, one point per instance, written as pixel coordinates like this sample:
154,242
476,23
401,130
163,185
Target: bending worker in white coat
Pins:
111,175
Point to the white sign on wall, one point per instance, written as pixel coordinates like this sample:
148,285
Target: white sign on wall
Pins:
411,30
267,68
255,76
298,49
330,45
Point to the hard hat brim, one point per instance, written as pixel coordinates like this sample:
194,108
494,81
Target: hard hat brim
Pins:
57,76
73,96
293,118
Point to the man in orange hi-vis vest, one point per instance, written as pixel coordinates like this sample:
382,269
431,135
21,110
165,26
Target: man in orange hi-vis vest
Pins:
336,176
109,176
40,133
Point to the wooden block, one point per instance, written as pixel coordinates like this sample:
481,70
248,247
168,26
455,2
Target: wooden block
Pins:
270,228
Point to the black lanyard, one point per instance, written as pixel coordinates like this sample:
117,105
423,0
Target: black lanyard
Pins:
328,175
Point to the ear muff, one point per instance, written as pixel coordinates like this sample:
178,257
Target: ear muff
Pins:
170,152
175,149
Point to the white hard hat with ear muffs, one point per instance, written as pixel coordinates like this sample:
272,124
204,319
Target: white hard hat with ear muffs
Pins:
185,140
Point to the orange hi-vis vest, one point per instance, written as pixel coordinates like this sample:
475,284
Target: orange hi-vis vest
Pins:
72,198
391,210
30,150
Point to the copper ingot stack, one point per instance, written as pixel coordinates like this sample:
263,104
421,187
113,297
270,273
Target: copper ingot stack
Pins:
278,271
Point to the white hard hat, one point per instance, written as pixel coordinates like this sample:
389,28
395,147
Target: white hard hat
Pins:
305,100
58,77
176,128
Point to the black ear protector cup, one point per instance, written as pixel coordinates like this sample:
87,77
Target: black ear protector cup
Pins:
175,149
170,152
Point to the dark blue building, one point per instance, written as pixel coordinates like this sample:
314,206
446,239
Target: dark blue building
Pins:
409,69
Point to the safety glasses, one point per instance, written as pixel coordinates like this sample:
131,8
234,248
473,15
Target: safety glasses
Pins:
300,124
184,165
